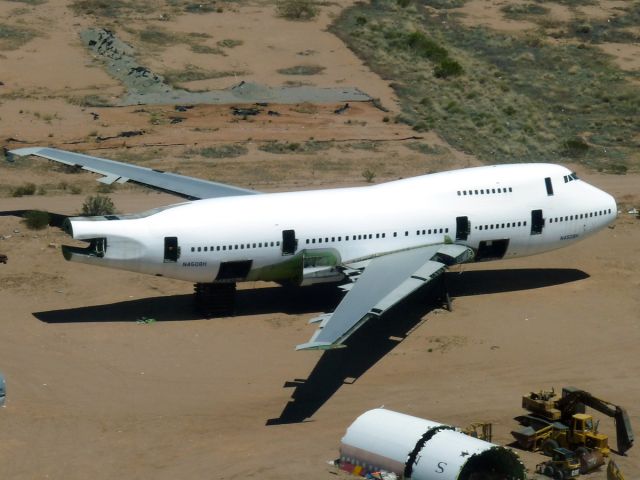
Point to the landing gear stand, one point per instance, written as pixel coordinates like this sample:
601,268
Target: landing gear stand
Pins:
445,297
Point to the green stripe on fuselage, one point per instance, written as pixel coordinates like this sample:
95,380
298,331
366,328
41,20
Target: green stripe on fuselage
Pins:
291,268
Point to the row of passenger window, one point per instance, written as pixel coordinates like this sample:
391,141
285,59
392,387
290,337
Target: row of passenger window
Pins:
494,226
485,191
240,246
370,236
347,238
579,216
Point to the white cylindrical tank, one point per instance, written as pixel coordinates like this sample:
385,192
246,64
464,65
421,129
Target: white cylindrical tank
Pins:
420,449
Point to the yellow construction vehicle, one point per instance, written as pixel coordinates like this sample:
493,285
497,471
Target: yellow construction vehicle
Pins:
613,472
563,464
563,423
480,430
540,434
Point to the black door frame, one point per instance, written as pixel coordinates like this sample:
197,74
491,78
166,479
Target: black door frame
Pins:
463,228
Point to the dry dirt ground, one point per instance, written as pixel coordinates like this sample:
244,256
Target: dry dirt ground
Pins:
92,393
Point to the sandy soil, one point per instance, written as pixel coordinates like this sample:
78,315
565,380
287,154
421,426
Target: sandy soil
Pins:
627,56
94,394
603,9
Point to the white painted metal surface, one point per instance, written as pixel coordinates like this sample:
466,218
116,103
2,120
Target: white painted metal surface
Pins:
502,211
383,439
422,449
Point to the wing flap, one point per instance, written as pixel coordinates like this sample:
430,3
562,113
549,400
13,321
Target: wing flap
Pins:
424,274
387,280
112,171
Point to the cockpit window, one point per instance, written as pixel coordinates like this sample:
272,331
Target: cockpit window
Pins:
570,178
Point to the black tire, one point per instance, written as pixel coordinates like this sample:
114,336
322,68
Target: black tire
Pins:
559,475
548,471
548,446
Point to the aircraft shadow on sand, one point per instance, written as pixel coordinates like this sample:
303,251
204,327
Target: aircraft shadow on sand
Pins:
364,348
175,308
378,337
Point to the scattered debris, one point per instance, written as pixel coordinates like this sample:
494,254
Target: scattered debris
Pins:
145,320
16,140
174,120
342,109
243,112
3,258
3,390
95,115
125,134
273,113
183,108
146,87
1,84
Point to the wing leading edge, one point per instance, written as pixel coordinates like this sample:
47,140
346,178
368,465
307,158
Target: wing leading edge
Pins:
187,187
386,280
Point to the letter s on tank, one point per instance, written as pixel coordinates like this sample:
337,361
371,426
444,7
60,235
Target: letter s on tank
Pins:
440,467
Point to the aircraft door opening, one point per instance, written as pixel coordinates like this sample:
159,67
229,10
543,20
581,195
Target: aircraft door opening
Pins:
171,249
549,186
289,242
537,222
463,228
492,249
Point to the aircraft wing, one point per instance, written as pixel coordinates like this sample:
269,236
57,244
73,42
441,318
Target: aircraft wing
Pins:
187,187
386,280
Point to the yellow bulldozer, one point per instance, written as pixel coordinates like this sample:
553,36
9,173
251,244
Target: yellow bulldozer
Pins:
562,422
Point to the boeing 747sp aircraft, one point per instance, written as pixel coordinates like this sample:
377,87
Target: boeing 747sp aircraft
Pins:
380,242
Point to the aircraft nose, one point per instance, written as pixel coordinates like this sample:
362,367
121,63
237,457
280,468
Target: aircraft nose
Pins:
612,205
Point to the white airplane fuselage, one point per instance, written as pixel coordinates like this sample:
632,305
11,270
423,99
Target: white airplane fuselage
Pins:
502,211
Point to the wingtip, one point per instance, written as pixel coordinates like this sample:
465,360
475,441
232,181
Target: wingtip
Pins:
319,346
20,152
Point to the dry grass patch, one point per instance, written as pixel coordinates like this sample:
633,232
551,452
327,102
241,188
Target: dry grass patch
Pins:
297,9
29,2
199,48
13,37
220,151
302,70
294,147
230,43
518,98
112,8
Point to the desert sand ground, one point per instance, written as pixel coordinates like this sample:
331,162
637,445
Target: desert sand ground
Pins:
93,393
